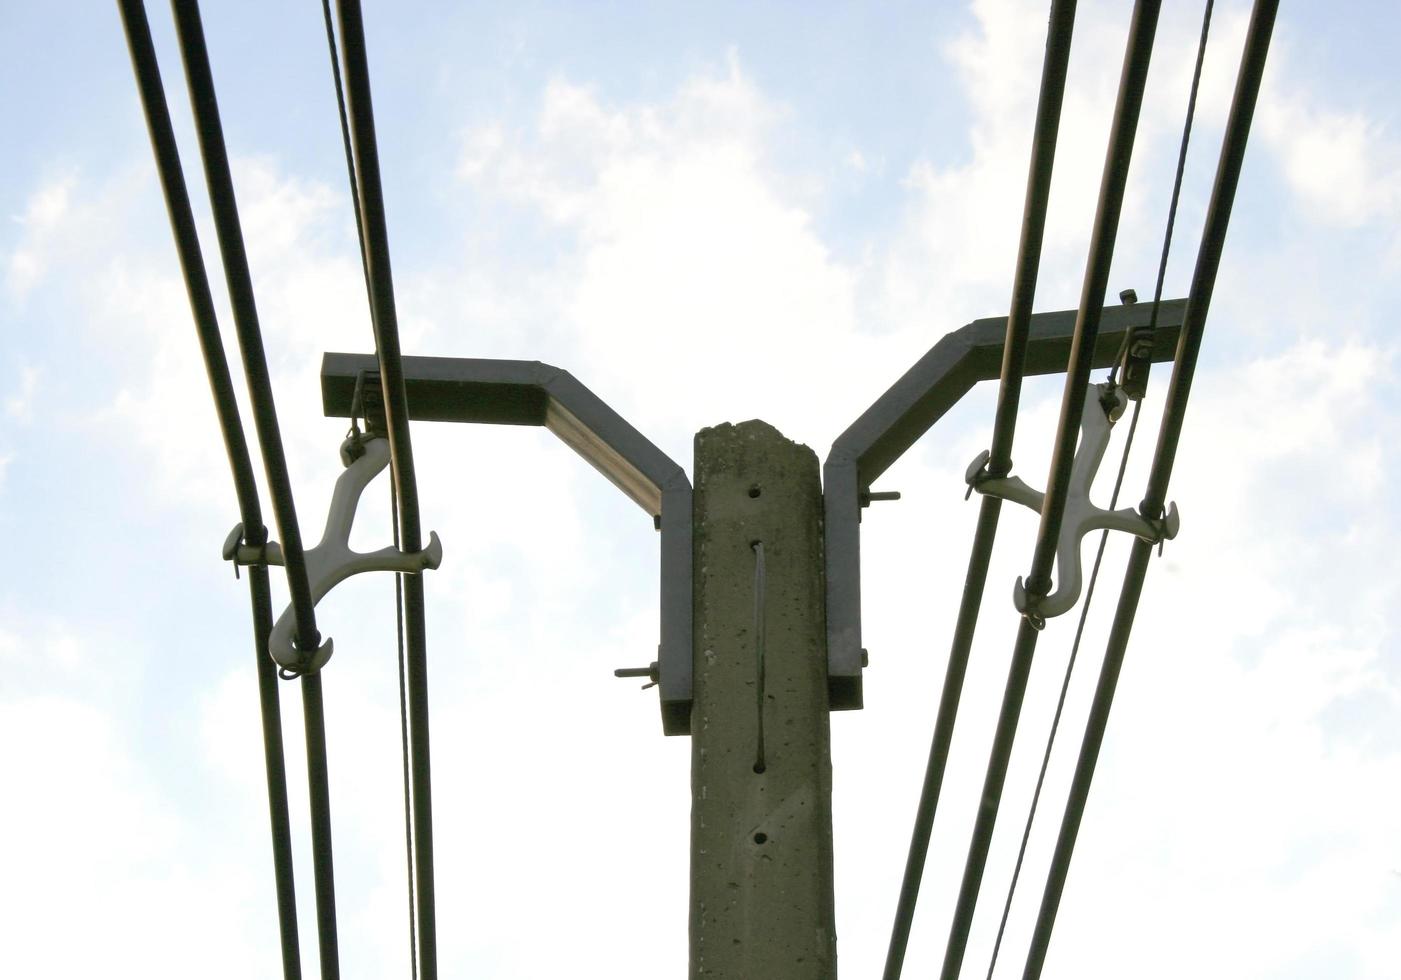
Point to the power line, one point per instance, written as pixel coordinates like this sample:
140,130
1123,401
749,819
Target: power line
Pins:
1043,149
223,204
252,531
385,320
1064,690
1132,81
393,499
1218,217
1118,485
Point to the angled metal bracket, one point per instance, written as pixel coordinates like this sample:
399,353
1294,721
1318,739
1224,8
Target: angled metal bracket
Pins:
453,389
333,561
1103,407
897,419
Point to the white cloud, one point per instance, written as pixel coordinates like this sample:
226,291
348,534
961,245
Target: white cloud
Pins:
1344,165
47,208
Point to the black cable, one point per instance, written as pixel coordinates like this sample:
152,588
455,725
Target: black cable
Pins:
1064,690
223,204
319,797
1132,81
393,496
1118,484
1218,217
147,70
1059,30
1043,149
359,105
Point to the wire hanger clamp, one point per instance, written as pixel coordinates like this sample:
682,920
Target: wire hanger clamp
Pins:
1104,404
333,561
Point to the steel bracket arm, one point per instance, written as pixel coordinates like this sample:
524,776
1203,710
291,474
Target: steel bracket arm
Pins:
502,392
886,430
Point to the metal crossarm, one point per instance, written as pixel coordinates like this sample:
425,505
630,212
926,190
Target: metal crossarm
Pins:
504,392
911,406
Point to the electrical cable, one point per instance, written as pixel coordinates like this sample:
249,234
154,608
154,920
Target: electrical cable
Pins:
223,204
1137,56
404,736
157,113
393,496
1118,485
360,109
1060,28
1218,216
1064,690
349,153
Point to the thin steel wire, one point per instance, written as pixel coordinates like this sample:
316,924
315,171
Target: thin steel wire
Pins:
384,317
393,497
404,736
345,142
1064,689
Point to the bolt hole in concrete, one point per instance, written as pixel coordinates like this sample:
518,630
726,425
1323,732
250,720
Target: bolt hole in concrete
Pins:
761,838
754,490
759,768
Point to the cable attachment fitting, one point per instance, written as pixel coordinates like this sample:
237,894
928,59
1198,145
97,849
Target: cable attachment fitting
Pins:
978,472
240,552
1104,404
332,561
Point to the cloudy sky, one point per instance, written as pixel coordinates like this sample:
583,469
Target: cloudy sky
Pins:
707,213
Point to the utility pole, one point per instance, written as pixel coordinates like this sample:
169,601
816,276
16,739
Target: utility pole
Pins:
762,901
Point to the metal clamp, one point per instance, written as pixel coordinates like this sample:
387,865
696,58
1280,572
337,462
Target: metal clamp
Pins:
332,561
1103,406
241,553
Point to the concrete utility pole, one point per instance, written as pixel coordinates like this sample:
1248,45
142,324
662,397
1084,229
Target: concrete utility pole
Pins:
761,771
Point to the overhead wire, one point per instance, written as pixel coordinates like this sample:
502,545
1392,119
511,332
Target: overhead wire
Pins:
1137,57
237,274
224,206
1059,31
177,199
393,499
1118,485
1248,79
1064,690
384,318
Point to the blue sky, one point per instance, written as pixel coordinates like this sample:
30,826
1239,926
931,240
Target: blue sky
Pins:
707,213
